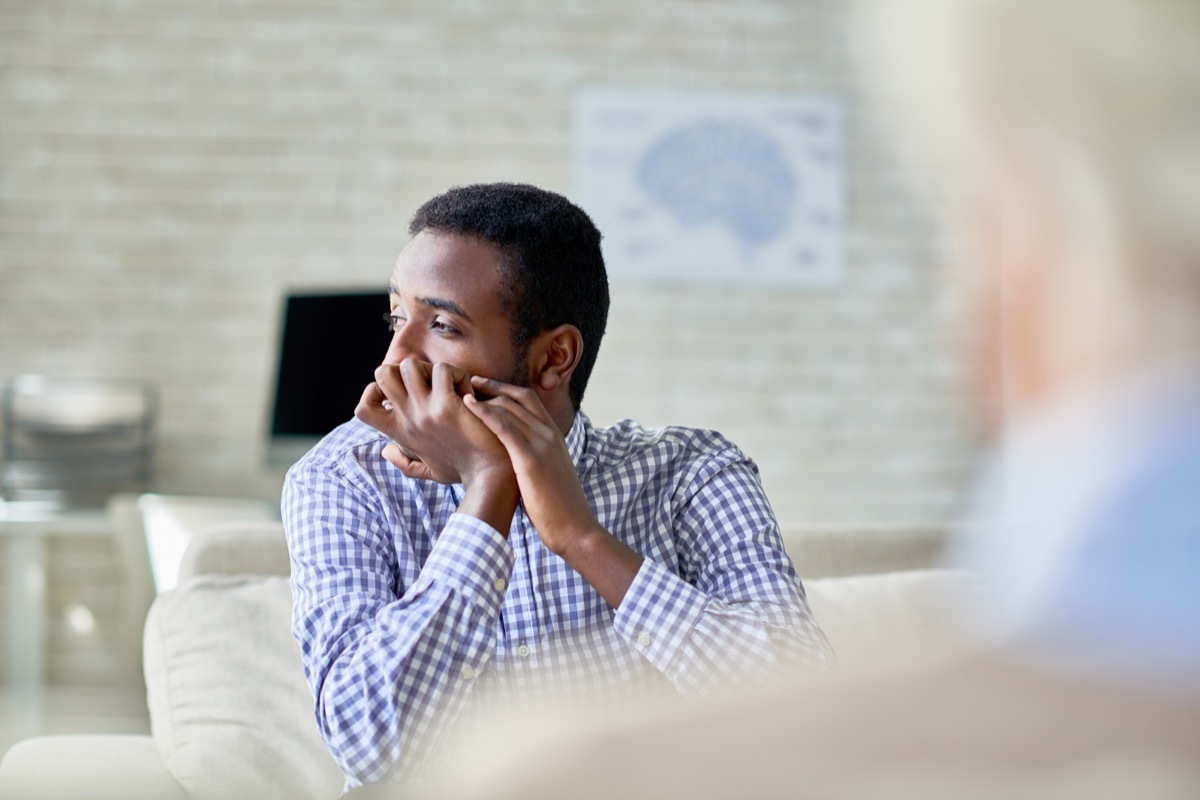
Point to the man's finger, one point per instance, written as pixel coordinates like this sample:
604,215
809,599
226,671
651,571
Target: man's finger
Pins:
522,414
408,464
449,378
495,388
500,415
416,376
524,397
391,384
372,405
372,394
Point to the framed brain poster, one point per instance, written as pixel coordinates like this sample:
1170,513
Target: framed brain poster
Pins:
704,187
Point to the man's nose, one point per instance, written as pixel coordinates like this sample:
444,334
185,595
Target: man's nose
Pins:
402,346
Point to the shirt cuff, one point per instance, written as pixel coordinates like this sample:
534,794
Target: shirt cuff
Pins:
658,612
472,558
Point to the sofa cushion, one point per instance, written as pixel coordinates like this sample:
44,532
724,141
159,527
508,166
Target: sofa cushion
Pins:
96,766
232,715
230,711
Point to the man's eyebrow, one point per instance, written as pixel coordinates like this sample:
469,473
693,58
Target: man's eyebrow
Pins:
445,305
436,302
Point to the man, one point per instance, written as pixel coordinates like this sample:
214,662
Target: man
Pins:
472,532
1064,137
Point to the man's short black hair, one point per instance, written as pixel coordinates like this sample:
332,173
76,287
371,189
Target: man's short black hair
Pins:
551,264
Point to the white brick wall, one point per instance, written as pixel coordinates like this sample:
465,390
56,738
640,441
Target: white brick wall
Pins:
169,168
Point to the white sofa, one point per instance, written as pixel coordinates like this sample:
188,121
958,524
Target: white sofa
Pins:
231,715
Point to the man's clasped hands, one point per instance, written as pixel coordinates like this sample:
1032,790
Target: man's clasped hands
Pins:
495,438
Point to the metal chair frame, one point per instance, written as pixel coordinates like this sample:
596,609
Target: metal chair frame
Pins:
75,442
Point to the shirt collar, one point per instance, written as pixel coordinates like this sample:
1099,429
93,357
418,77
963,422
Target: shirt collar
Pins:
577,438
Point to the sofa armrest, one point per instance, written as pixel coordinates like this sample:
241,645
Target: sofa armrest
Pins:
173,522
99,767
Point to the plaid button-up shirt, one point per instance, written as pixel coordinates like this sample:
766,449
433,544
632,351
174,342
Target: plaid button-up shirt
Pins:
406,612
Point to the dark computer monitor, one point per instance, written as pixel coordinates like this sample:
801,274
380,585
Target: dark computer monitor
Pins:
329,346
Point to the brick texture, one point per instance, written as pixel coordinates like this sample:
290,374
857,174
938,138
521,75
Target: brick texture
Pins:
168,169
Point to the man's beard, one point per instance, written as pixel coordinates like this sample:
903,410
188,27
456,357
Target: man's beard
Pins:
520,373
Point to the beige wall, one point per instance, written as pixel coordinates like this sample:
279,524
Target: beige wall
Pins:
169,168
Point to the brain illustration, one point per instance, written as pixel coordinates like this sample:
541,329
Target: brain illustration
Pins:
718,172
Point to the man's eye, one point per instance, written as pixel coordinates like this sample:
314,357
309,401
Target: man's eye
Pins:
394,322
443,327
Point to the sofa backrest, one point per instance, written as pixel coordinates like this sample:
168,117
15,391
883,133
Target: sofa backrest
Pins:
237,548
234,548
874,620
824,551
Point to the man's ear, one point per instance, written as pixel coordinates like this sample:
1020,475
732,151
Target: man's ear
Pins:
554,354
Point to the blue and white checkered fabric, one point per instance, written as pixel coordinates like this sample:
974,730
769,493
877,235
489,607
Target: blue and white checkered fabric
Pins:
405,611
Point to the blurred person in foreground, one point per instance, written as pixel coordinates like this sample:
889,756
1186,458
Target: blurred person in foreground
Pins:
1062,139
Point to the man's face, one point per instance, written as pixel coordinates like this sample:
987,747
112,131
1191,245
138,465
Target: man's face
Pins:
446,307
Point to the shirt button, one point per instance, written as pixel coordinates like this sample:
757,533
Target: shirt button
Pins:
643,639
500,583
468,672
523,651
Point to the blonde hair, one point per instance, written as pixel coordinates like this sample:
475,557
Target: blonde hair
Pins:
1092,107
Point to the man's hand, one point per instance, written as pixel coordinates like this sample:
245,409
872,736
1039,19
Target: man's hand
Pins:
550,488
419,407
